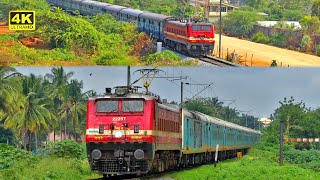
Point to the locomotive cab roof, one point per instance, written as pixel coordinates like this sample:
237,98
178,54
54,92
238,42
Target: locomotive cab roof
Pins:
127,92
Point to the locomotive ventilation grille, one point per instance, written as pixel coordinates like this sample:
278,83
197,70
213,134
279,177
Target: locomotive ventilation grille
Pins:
113,166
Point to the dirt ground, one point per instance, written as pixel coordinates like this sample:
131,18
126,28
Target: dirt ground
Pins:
4,29
262,55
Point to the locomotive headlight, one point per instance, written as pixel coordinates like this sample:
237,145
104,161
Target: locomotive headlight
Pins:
139,154
96,154
117,134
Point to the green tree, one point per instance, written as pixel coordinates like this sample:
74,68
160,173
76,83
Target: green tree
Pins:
73,108
33,115
314,26
315,10
60,80
240,23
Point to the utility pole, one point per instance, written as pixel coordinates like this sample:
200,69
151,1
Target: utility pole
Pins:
281,143
207,10
220,28
181,94
128,77
246,120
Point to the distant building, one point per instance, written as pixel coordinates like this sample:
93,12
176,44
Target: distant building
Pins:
214,9
265,121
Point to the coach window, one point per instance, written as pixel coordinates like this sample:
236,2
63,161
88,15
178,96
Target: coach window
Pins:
132,106
107,106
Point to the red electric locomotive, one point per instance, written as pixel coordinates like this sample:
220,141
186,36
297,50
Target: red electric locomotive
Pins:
132,133
196,39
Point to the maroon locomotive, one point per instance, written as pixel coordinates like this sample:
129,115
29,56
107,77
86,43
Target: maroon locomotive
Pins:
132,133
192,38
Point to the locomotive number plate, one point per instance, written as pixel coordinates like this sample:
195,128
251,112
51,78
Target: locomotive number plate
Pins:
118,118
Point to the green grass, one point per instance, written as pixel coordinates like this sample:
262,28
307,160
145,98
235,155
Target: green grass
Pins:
50,168
8,37
256,165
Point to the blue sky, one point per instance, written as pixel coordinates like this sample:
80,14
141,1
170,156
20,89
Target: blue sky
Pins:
255,89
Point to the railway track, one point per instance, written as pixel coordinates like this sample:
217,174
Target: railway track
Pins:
218,62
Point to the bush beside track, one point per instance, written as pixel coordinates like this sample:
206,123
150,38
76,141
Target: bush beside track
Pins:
65,161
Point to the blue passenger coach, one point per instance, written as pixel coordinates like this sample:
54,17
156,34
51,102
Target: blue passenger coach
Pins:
201,133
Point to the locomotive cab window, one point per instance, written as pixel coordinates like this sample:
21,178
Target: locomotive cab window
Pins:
107,106
206,27
132,106
196,27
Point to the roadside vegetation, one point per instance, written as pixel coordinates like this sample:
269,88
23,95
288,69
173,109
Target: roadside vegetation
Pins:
56,162
73,40
306,39
301,160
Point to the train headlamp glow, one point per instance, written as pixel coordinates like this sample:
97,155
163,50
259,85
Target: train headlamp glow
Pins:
96,154
117,134
121,92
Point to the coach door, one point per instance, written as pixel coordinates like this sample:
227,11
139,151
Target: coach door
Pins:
198,134
209,135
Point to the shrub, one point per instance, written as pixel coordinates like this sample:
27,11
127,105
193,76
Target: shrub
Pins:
110,57
279,39
274,63
293,42
260,38
67,149
240,22
10,155
305,41
163,56
318,49
309,159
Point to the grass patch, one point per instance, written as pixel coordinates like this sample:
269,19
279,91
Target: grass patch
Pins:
9,37
19,54
20,164
257,164
50,168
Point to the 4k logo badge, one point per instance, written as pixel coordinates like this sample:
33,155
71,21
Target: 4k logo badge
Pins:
22,20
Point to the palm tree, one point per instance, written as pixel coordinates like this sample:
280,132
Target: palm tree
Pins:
59,79
9,86
74,108
10,93
34,115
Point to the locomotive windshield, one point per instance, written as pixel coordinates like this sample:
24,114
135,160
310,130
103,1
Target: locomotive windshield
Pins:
132,106
107,106
201,27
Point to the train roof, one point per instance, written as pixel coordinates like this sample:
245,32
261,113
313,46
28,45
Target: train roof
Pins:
129,95
154,16
87,2
206,118
186,22
177,23
131,12
101,4
79,1
170,107
115,8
